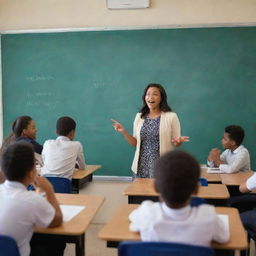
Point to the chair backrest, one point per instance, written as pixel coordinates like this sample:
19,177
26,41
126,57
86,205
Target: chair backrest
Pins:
60,185
162,249
196,201
8,246
203,182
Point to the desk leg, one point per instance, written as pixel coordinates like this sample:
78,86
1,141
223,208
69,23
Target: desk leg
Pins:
80,246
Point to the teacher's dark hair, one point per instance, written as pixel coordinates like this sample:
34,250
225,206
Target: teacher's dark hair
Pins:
163,104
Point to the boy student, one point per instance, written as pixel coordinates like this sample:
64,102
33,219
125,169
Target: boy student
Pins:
248,217
60,156
236,157
21,209
173,219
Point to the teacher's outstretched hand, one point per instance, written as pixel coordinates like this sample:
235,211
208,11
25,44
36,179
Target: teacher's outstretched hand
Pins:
156,130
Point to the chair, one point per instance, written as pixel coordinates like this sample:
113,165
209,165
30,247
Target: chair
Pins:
162,249
203,182
8,246
60,185
196,201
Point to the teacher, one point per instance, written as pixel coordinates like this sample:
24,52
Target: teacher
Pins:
156,130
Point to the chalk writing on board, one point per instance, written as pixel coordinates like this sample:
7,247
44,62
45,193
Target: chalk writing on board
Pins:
35,78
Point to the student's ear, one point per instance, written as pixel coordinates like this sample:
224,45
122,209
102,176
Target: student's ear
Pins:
71,135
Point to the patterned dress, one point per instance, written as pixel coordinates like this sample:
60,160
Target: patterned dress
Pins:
149,151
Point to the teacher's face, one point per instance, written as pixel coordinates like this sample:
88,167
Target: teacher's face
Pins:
153,98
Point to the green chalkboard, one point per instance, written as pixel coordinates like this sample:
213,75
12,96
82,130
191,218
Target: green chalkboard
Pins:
209,75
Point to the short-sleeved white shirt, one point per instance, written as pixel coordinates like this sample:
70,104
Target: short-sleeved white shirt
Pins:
60,156
190,225
234,161
20,211
251,182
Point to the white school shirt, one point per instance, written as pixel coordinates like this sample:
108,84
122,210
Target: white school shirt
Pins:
169,129
190,225
60,156
20,211
251,182
235,161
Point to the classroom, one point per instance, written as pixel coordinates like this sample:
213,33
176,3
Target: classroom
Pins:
66,20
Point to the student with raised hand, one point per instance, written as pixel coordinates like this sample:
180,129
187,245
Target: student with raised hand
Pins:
23,130
173,219
156,130
21,209
236,157
60,156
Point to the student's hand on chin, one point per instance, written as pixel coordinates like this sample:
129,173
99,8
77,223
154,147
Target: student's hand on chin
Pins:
42,185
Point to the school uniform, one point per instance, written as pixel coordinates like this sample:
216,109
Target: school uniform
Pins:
249,217
190,225
20,211
60,157
234,161
37,147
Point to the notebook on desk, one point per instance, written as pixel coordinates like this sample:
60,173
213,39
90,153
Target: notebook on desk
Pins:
214,170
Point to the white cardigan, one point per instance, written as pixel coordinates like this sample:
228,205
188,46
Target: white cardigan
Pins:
169,129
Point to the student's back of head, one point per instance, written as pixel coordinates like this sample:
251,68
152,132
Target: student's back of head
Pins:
236,133
17,160
65,125
176,177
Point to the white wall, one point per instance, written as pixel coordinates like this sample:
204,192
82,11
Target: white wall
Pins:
38,14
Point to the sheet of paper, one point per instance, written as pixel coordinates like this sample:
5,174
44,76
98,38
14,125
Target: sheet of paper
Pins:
70,211
225,220
213,170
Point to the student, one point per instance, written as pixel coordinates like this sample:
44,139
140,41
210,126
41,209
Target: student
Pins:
21,209
23,129
173,219
236,157
60,156
247,202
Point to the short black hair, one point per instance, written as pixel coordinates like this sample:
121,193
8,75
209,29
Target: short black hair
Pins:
236,133
65,125
17,160
176,177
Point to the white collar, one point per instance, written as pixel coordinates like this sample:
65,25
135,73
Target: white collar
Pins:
14,184
178,214
63,138
237,149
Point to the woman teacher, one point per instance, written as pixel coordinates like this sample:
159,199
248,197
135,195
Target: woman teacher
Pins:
156,130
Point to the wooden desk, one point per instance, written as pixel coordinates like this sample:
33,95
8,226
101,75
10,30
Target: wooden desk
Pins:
211,177
233,181
142,189
74,230
82,176
117,229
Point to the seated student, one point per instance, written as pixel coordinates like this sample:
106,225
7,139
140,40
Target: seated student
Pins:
61,155
23,129
246,203
236,157
21,209
173,219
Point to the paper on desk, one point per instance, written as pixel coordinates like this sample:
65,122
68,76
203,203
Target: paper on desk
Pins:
224,218
70,211
214,170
